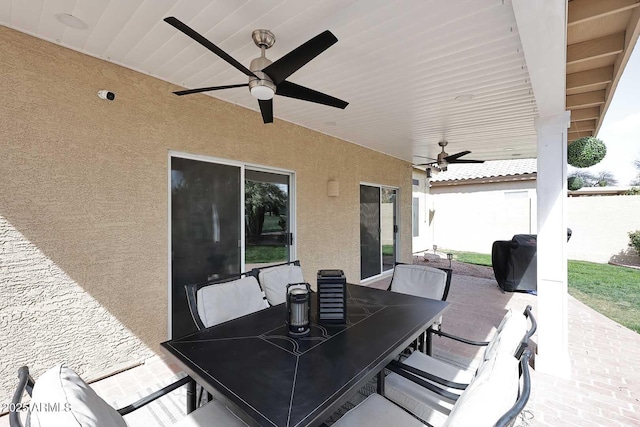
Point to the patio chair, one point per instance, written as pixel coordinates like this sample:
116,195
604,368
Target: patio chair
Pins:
495,398
61,398
421,382
211,303
426,282
275,278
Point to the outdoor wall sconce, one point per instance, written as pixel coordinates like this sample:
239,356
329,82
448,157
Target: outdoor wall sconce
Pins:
333,188
449,257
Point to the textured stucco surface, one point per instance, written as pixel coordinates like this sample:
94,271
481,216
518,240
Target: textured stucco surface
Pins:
83,201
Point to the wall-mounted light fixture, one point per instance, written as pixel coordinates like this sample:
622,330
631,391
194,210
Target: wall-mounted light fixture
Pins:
333,188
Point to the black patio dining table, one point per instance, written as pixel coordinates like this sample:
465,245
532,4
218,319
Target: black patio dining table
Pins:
270,379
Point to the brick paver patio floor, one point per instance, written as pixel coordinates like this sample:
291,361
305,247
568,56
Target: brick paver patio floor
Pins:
604,389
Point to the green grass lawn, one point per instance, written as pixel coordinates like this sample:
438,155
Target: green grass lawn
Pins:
387,250
611,290
260,254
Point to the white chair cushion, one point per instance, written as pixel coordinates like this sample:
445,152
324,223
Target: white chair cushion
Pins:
507,338
439,368
491,394
213,413
274,281
75,403
421,402
419,280
225,301
376,411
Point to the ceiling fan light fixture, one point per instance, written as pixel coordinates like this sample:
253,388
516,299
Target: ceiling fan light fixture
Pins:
71,21
465,97
263,93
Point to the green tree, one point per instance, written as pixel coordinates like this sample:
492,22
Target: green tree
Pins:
574,183
605,179
261,198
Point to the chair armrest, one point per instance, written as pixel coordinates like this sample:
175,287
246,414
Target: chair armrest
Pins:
456,338
523,396
430,377
153,396
423,383
25,382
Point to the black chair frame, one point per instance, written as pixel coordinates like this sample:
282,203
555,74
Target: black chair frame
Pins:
508,417
412,373
26,383
423,342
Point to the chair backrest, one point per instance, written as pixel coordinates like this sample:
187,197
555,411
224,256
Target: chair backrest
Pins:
61,398
422,281
275,278
215,302
495,397
512,335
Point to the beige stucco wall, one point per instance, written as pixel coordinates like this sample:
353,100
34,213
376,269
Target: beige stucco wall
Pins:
601,227
472,217
83,201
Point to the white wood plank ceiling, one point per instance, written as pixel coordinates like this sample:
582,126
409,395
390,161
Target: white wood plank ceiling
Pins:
400,64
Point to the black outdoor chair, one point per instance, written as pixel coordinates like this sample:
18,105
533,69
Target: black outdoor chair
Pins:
274,279
422,281
483,403
213,413
223,306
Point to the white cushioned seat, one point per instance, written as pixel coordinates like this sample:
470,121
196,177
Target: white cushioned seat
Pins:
492,393
274,281
77,405
376,411
427,405
225,301
214,414
508,336
419,280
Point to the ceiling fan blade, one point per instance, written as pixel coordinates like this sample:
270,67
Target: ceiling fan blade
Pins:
456,156
424,164
465,161
266,108
181,26
207,89
294,60
292,90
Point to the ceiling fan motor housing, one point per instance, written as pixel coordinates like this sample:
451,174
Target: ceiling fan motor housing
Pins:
257,65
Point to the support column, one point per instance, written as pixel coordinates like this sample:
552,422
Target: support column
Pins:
553,349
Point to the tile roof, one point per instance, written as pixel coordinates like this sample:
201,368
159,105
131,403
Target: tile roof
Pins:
488,169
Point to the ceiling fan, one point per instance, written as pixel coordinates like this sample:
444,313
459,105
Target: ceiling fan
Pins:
267,78
444,159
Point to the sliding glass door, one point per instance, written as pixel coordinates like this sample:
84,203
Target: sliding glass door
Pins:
378,230
267,218
205,229
226,218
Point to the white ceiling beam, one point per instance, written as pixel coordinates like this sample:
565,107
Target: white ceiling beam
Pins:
542,25
586,10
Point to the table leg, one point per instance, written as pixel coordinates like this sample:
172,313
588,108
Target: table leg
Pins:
381,382
191,396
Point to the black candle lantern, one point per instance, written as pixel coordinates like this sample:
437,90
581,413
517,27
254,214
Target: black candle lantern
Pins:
298,309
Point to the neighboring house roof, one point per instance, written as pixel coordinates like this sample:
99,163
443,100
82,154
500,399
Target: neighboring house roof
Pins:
490,171
598,191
